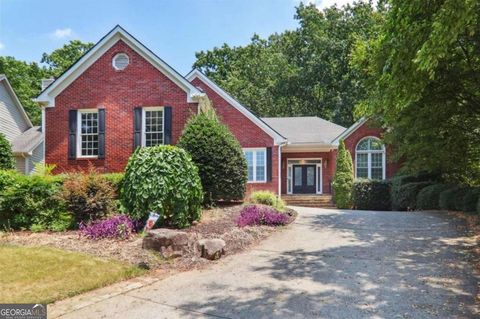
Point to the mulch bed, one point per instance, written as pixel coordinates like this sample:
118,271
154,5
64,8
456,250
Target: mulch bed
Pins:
215,223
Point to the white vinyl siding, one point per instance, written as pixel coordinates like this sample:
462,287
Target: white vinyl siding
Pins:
35,158
256,164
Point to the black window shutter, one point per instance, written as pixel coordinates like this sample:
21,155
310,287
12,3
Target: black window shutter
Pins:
168,124
137,128
269,164
72,134
101,133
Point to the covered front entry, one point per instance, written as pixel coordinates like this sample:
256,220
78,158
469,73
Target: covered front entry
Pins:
304,177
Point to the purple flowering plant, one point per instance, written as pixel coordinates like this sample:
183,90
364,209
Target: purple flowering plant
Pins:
118,226
260,215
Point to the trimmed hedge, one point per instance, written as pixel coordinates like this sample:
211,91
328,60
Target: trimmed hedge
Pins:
447,198
407,196
459,198
219,157
428,197
400,180
471,199
478,206
33,202
371,195
162,179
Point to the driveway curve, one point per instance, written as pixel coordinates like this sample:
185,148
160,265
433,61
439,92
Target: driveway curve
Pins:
328,264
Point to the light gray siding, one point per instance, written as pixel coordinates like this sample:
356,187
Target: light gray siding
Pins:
12,122
20,164
37,157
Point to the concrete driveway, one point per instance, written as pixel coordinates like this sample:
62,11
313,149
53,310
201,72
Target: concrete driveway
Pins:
328,264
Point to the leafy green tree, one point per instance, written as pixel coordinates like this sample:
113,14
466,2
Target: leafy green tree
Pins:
6,157
422,77
343,179
301,72
218,156
25,79
61,59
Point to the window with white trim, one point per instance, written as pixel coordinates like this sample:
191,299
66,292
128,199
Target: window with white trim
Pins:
153,126
120,61
370,159
87,141
256,165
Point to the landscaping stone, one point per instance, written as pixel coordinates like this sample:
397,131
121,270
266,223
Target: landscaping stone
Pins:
211,249
170,243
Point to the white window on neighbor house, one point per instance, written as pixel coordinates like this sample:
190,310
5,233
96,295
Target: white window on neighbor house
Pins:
87,141
370,159
153,126
256,164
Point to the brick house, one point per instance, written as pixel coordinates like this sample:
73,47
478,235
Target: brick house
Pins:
120,96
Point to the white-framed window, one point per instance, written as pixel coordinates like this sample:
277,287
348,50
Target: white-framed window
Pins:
256,164
87,126
370,158
153,123
120,61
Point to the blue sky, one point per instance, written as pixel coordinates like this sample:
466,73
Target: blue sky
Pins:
173,29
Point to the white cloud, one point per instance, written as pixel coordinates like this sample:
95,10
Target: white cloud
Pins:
62,33
322,4
2,46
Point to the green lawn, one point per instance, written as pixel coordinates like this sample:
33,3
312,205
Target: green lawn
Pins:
43,275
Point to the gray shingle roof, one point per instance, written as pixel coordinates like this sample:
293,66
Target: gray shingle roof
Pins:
27,141
304,130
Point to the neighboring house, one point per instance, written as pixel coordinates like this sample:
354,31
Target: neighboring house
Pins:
26,139
120,96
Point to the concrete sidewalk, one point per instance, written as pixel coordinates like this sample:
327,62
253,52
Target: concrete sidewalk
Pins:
328,264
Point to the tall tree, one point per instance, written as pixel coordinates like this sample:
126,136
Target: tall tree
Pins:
423,77
25,79
61,59
300,72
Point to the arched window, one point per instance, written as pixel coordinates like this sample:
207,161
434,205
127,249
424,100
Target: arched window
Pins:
370,158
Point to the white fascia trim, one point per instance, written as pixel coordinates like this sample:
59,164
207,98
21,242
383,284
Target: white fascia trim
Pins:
16,100
349,131
277,138
47,97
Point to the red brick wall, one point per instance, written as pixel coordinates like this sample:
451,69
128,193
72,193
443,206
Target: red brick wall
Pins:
119,92
247,133
368,130
328,167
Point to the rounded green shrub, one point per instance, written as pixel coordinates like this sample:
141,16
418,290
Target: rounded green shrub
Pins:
115,180
428,197
447,198
470,199
218,155
407,195
6,157
478,206
343,180
459,198
164,180
267,198
400,180
371,195
7,178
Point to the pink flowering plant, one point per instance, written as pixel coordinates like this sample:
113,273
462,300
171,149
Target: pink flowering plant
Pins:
261,215
118,226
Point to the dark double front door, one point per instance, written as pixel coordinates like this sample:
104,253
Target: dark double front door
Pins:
304,177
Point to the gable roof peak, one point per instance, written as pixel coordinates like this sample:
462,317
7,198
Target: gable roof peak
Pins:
47,97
